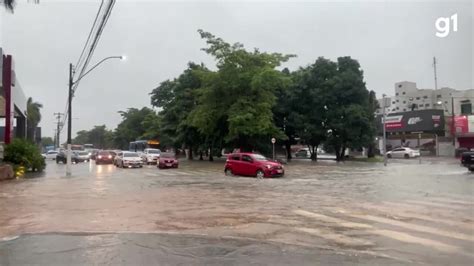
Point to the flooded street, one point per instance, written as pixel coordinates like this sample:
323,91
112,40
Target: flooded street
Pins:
404,213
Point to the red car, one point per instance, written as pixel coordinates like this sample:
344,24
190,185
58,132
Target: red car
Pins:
167,160
251,164
104,157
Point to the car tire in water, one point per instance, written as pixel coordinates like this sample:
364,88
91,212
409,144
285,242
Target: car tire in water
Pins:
260,174
389,156
406,156
228,172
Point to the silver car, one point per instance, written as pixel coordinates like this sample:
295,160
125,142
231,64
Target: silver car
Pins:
85,155
403,152
128,159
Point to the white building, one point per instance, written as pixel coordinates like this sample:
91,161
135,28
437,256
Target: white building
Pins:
408,97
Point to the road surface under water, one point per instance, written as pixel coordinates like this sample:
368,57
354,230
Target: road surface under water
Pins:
404,213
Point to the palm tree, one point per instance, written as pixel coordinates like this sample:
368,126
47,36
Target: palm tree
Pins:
9,4
33,119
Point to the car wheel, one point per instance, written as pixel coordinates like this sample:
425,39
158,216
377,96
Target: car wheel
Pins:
57,161
406,156
228,172
260,174
389,156
122,166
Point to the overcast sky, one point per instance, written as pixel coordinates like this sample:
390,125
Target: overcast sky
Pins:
393,41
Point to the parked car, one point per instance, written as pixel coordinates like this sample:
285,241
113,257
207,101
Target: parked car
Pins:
84,155
403,152
104,157
150,156
128,159
50,155
467,160
251,164
167,160
61,157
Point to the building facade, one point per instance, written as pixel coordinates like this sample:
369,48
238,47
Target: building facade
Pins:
410,98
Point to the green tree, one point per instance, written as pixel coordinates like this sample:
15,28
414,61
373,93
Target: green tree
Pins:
47,141
309,102
178,98
9,4
371,109
33,118
130,128
348,117
238,98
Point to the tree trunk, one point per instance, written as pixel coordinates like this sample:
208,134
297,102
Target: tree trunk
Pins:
338,152
288,151
371,151
343,153
200,156
314,154
190,153
211,158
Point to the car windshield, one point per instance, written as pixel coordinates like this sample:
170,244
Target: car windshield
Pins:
83,153
130,154
154,151
258,157
167,155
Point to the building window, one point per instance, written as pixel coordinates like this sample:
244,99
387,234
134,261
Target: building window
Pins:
427,105
403,93
446,102
417,98
396,94
404,109
404,101
393,102
399,85
398,108
398,101
421,105
411,99
425,97
466,108
438,96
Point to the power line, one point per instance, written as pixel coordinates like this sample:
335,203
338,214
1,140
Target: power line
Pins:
90,34
100,29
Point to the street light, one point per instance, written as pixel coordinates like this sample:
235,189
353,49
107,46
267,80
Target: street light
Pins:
69,120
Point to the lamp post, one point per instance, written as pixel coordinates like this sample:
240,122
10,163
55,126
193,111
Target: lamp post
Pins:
70,95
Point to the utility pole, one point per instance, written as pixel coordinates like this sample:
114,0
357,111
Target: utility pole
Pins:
435,73
58,129
69,124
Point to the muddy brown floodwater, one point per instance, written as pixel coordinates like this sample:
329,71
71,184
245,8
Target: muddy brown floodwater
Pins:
407,212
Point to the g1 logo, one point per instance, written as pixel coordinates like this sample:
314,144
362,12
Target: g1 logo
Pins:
443,25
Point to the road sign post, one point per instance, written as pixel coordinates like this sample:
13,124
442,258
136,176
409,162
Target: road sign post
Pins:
273,144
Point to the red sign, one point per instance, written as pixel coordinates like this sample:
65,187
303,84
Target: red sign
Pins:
461,124
392,122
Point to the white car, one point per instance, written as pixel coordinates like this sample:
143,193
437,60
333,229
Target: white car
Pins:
128,159
151,156
403,152
50,155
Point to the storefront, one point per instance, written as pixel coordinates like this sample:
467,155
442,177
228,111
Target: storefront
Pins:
416,129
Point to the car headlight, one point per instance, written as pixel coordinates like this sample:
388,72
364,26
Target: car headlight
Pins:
110,156
100,156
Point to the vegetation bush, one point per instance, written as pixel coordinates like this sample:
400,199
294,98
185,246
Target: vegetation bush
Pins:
22,153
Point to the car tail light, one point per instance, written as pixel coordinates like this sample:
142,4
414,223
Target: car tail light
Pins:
110,156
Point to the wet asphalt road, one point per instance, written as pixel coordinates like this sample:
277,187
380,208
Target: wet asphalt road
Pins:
319,213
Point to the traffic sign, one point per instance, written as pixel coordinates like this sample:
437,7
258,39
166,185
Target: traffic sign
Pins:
273,140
